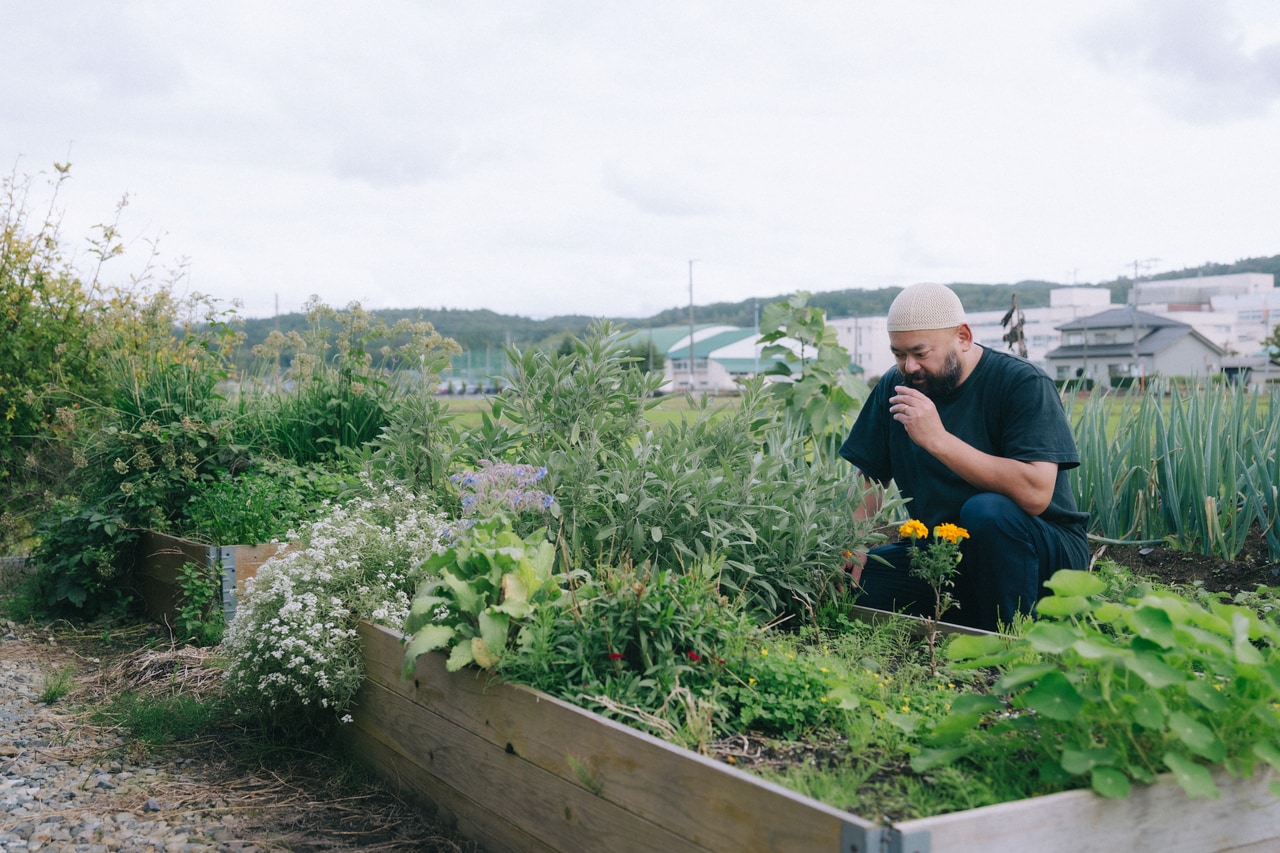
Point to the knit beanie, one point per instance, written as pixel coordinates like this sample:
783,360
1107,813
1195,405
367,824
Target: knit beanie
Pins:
925,306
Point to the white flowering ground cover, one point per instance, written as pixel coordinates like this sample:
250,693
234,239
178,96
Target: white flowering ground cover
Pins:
293,640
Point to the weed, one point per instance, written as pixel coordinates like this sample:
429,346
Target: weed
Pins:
164,720
57,684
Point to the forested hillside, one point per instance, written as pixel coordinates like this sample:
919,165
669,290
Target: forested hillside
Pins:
478,330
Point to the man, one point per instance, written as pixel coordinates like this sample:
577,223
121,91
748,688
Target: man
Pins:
974,437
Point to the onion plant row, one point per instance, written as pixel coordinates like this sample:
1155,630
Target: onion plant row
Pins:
1196,467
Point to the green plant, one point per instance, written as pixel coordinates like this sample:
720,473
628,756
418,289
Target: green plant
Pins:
820,391
935,563
83,559
1120,692
341,383
261,503
1194,465
782,693
199,617
164,720
489,581
584,401
652,646
57,684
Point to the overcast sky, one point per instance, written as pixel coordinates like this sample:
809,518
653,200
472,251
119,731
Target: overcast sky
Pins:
539,158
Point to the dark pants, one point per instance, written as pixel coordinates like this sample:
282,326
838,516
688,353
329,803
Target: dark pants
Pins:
1007,558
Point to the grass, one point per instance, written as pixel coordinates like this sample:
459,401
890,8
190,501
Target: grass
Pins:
164,720
57,684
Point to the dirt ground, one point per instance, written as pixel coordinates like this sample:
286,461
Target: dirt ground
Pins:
1252,568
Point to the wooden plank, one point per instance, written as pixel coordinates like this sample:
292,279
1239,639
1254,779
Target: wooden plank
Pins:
438,797
1153,817
249,558
915,623
504,788
158,558
704,801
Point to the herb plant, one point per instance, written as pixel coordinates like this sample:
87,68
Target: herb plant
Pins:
1120,692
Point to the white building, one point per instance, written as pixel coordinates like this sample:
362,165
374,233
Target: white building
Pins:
1234,312
867,338
711,360
1237,312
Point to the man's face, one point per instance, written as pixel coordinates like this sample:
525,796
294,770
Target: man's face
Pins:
928,360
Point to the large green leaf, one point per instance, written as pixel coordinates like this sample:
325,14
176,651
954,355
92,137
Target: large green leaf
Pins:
494,628
1194,778
1077,761
1148,712
1074,583
1154,624
929,757
976,648
1198,737
1051,638
1060,606
460,656
1207,695
427,639
1109,782
1154,671
1054,697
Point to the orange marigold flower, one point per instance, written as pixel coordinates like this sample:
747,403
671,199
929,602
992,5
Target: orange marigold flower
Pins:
913,529
950,532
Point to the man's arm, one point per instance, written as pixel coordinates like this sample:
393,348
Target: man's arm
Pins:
1028,484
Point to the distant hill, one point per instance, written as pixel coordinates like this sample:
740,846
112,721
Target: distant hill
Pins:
478,330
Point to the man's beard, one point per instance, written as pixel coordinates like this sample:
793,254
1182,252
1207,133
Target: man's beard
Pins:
941,385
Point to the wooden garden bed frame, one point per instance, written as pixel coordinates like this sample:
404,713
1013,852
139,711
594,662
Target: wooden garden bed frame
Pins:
159,557
515,769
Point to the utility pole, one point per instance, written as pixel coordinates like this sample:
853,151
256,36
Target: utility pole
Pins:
1138,266
755,346
691,377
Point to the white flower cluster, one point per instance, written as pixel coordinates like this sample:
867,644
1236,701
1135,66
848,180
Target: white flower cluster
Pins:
293,641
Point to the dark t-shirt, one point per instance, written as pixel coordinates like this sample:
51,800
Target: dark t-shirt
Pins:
1006,407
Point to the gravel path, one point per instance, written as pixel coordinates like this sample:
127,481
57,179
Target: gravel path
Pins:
61,789
67,785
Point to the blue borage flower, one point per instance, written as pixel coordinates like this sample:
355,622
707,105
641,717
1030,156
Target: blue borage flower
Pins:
500,487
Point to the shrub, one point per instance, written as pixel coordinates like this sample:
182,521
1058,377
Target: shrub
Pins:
261,504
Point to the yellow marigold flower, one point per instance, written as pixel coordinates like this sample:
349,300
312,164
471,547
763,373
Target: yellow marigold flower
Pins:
913,529
950,532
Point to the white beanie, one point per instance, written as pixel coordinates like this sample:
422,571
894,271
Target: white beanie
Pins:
925,306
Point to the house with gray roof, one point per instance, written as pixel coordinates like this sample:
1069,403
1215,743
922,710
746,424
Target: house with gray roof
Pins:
1123,344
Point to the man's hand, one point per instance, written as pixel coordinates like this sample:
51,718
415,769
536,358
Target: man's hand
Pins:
918,415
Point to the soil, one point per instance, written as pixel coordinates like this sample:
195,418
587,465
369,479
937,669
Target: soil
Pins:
1252,568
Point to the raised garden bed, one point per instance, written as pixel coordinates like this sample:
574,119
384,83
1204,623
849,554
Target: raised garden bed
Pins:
160,557
516,769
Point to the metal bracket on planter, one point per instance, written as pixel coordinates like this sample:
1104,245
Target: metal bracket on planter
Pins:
881,839
226,558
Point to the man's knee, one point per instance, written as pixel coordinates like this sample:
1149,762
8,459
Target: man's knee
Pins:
989,511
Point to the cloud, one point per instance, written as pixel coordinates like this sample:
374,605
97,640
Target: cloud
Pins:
656,192
1197,61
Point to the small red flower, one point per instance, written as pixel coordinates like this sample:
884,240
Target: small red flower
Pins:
614,656
694,656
